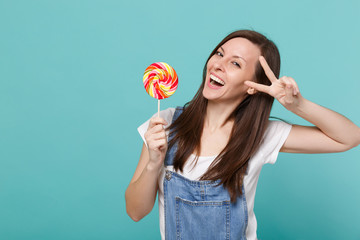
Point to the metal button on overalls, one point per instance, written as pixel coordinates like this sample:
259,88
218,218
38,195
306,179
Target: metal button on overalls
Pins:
168,175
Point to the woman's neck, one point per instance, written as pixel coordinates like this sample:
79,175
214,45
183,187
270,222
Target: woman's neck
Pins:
217,115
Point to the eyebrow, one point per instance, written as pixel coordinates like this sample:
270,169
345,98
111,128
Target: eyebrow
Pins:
236,56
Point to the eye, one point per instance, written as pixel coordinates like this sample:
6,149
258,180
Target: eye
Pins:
236,64
219,53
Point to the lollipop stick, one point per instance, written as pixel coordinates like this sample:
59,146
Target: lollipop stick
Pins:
158,108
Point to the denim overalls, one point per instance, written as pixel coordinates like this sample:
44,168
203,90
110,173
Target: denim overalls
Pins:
200,209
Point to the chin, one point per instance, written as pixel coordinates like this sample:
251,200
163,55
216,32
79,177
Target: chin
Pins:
206,95
211,98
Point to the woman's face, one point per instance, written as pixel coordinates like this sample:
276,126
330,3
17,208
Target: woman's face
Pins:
228,69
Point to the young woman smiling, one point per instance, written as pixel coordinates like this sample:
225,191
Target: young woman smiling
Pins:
204,159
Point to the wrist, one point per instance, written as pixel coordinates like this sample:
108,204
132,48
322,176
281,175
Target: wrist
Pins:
153,166
300,107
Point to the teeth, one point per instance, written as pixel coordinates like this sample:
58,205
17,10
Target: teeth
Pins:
216,79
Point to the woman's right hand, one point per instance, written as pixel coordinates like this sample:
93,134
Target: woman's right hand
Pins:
141,193
156,140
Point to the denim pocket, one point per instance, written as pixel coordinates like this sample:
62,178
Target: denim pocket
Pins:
202,219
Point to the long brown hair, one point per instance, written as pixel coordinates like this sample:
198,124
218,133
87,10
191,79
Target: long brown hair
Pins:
250,117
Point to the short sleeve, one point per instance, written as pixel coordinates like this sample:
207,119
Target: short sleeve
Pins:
274,138
166,114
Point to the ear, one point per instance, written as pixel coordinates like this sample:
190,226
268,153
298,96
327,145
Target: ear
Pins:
251,91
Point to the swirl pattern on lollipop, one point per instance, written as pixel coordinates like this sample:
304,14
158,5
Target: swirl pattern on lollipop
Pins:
160,80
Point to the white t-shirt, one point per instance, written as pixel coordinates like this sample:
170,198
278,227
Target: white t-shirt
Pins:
274,138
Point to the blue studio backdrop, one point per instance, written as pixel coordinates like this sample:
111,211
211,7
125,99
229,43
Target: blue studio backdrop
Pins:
72,97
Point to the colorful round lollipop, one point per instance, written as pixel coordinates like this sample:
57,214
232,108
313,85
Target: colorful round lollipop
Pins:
160,81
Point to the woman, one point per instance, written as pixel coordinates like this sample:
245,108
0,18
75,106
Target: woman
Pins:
206,167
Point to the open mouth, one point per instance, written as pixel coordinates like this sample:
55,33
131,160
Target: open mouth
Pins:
215,81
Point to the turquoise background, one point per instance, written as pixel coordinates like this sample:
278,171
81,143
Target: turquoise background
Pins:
71,98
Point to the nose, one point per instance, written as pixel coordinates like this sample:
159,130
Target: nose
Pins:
219,64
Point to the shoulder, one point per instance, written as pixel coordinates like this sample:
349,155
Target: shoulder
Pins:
276,127
276,131
167,114
274,138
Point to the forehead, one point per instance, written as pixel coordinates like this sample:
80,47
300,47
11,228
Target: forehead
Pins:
243,48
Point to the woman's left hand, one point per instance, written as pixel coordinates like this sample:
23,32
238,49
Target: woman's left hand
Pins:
284,89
